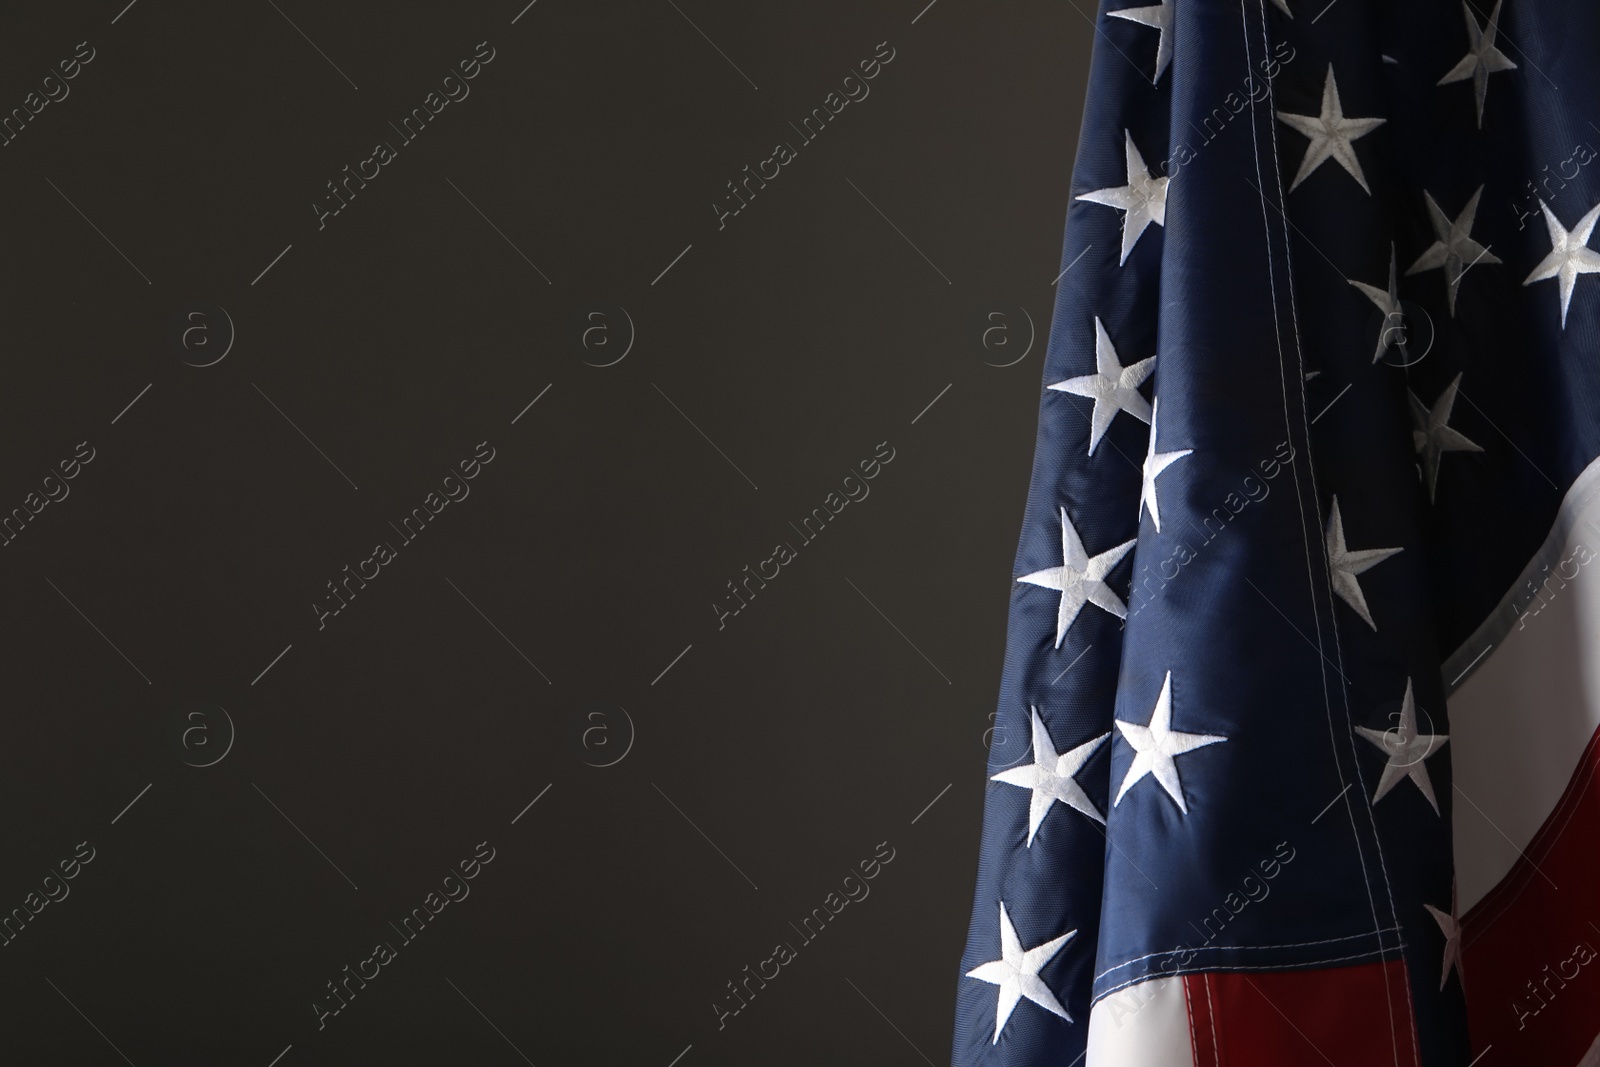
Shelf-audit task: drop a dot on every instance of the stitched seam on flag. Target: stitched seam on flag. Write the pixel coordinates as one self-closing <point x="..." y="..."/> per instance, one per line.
<point x="1415" y="1048"/>
<point x="1188" y="1011"/>
<point x="1150" y="972"/>
<point x="1211" y="1008"/>
<point x="1316" y="506"/>
<point x="1260" y="948"/>
<point x="1304" y="965"/>
<point x="1284" y="389"/>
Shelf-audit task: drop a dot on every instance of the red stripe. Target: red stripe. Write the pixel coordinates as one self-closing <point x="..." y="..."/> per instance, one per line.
<point x="1531" y="948"/>
<point x="1344" y="1016"/>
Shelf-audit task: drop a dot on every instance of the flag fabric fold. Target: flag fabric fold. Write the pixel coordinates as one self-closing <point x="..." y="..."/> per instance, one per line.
<point x="1294" y="753"/>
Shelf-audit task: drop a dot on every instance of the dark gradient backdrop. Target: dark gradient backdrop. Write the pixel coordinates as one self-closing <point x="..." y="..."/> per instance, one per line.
<point x="268" y="787"/>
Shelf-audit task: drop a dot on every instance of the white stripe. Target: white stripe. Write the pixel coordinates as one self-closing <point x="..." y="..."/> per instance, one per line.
<point x="1523" y="716"/>
<point x="1577" y="505"/>
<point x="1590" y="1058"/>
<point x="1141" y="1025"/>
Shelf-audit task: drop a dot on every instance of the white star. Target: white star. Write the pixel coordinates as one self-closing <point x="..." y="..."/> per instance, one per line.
<point x="1158" y="17"/>
<point x="1156" y="748"/>
<point x="1331" y="135"/>
<point x="1144" y="198"/>
<point x="1080" y="579"/>
<point x="1154" y="463"/>
<point x="1482" y="58"/>
<point x="1016" y="972"/>
<point x="1112" y="387"/>
<point x="1345" y="564"/>
<point x="1388" y="301"/>
<point x="1432" y="436"/>
<point x="1284" y="4"/>
<point x="1050" y="776"/>
<point x="1450" y="926"/>
<point x="1408" y="751"/>
<point x="1454" y="250"/>
<point x="1570" y="255"/>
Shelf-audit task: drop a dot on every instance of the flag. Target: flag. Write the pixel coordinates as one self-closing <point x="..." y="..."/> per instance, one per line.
<point x="1294" y="757"/>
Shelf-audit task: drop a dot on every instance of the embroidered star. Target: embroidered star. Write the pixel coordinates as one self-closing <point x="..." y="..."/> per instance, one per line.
<point x="1016" y="972"/>
<point x="1408" y="752"/>
<point x="1159" y="17"/>
<point x="1432" y="436"/>
<point x="1080" y="578"/>
<point x="1331" y="135"/>
<point x="1344" y="564"/>
<point x="1388" y="301"/>
<point x="1284" y="4"/>
<point x="1144" y="199"/>
<point x="1156" y="748"/>
<point x="1454" y="250"/>
<point x="1570" y="255"/>
<point x="1051" y="777"/>
<point x="1112" y="387"/>
<point x="1482" y="58"/>
<point x="1154" y="463"/>
<point x="1450" y="926"/>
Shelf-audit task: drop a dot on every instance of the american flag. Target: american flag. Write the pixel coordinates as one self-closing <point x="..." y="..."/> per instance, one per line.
<point x="1295" y="748"/>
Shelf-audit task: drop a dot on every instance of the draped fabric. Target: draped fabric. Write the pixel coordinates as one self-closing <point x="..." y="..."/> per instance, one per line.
<point x="1293" y="756"/>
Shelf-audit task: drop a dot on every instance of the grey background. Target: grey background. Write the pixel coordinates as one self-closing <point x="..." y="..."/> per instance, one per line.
<point x="773" y="755"/>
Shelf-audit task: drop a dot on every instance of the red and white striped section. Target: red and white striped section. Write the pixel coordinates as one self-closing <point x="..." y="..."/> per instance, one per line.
<point x="1353" y="1016"/>
<point x="1527" y="805"/>
<point x="1524" y="727"/>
